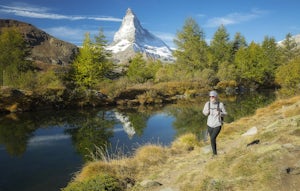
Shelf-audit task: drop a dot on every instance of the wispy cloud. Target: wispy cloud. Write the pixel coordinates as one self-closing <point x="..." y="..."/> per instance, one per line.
<point x="47" y="139"/>
<point x="75" y="35"/>
<point x="235" y="18"/>
<point x="166" y="37"/>
<point x="67" y="33"/>
<point x="200" y="15"/>
<point x="26" y="10"/>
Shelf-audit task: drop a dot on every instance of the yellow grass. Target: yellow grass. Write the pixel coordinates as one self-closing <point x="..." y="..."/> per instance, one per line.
<point x="12" y="108"/>
<point x="150" y="155"/>
<point x="185" y="142"/>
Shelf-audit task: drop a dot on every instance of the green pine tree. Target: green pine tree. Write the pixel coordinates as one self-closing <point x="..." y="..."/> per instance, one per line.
<point x="220" y="48"/>
<point x="13" y="57"/>
<point x="250" y="66"/>
<point x="289" y="49"/>
<point x="288" y="76"/>
<point x="191" y="53"/>
<point x="137" y="71"/>
<point x="238" y="42"/>
<point x="270" y="59"/>
<point x="92" y="63"/>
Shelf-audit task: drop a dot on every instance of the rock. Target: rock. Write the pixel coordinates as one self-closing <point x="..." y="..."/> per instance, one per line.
<point x="149" y="183"/>
<point x="288" y="146"/>
<point x="206" y="149"/>
<point x="253" y="142"/>
<point x="169" y="189"/>
<point x="251" y="131"/>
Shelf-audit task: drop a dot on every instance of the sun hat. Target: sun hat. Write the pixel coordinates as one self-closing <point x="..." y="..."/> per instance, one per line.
<point x="213" y="93"/>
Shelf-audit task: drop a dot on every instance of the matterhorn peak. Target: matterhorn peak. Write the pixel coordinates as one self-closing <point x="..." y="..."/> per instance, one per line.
<point x="132" y="38"/>
<point x="130" y="26"/>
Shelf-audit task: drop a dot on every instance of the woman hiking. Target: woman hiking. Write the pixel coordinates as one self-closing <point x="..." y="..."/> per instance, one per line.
<point x="215" y="111"/>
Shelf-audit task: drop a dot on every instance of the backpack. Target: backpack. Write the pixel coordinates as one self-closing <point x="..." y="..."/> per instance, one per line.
<point x="218" y="108"/>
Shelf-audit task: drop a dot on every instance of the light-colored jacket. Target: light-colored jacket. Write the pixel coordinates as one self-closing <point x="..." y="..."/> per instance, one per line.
<point x="214" y="113"/>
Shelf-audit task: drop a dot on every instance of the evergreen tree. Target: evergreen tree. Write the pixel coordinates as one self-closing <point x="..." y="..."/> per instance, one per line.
<point x="270" y="58"/>
<point x="238" y="42"/>
<point x="227" y="72"/>
<point x="92" y="64"/>
<point x="289" y="49"/>
<point x="13" y="57"/>
<point x="137" y="71"/>
<point x="288" y="76"/>
<point x="85" y="72"/>
<point x="192" y="49"/>
<point x="220" y="48"/>
<point x="102" y="55"/>
<point x="249" y="64"/>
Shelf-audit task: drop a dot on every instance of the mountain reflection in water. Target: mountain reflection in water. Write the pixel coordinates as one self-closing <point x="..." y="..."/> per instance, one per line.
<point x="127" y="126"/>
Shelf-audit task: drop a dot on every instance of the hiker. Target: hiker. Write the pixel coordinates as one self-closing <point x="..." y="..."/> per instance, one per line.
<point x="215" y="111"/>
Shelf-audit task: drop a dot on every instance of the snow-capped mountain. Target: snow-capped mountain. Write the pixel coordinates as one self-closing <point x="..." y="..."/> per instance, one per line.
<point x="132" y="38"/>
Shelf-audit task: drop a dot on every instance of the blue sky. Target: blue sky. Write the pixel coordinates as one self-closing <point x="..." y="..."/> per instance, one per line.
<point x="70" y="20"/>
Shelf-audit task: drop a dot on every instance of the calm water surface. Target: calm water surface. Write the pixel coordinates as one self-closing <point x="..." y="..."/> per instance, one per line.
<point x="43" y="150"/>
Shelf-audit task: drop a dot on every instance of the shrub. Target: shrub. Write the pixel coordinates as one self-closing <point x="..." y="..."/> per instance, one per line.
<point x="224" y="84"/>
<point x="149" y="155"/>
<point x="149" y="97"/>
<point x="185" y="142"/>
<point x="97" y="183"/>
<point x="48" y="80"/>
<point x="288" y="75"/>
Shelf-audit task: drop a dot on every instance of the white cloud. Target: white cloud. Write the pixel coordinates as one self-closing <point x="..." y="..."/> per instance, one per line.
<point x="75" y="35"/>
<point x="47" y="139"/>
<point x="166" y="37"/>
<point x="66" y="32"/>
<point x="200" y="15"/>
<point x="72" y="35"/>
<point x="43" y="13"/>
<point x="235" y="18"/>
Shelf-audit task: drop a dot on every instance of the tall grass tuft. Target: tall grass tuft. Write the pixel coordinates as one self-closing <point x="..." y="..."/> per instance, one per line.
<point x="150" y="155"/>
<point x="186" y="142"/>
<point x="107" y="153"/>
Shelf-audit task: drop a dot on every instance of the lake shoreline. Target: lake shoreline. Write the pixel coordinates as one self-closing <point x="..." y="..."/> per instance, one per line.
<point x="271" y="164"/>
<point x="15" y="100"/>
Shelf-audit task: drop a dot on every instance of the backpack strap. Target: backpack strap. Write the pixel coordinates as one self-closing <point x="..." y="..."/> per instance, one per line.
<point x="218" y="109"/>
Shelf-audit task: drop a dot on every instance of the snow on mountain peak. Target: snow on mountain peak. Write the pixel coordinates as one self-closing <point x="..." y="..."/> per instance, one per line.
<point x="130" y="25"/>
<point x="131" y="35"/>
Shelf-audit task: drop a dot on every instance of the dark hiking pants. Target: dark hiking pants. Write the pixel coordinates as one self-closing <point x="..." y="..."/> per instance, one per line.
<point x="213" y="133"/>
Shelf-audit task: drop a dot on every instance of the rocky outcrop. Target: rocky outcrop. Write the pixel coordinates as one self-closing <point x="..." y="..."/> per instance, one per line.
<point x="45" y="49"/>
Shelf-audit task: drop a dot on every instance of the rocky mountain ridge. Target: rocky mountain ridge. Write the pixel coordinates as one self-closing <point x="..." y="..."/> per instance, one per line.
<point x="45" y="49"/>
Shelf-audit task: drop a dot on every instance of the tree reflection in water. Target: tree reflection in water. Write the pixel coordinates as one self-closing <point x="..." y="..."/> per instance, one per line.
<point x="90" y="129"/>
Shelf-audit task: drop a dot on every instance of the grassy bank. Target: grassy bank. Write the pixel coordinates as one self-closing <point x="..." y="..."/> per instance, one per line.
<point x="272" y="164"/>
<point x="111" y="94"/>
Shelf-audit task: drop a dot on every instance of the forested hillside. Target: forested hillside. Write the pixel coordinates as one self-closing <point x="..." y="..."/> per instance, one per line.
<point x="225" y="64"/>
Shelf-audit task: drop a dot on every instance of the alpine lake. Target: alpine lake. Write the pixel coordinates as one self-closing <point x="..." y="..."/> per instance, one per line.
<point x="43" y="150"/>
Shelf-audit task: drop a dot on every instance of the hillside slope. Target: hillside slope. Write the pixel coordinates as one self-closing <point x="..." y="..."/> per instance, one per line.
<point x="46" y="50"/>
<point x="271" y="163"/>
